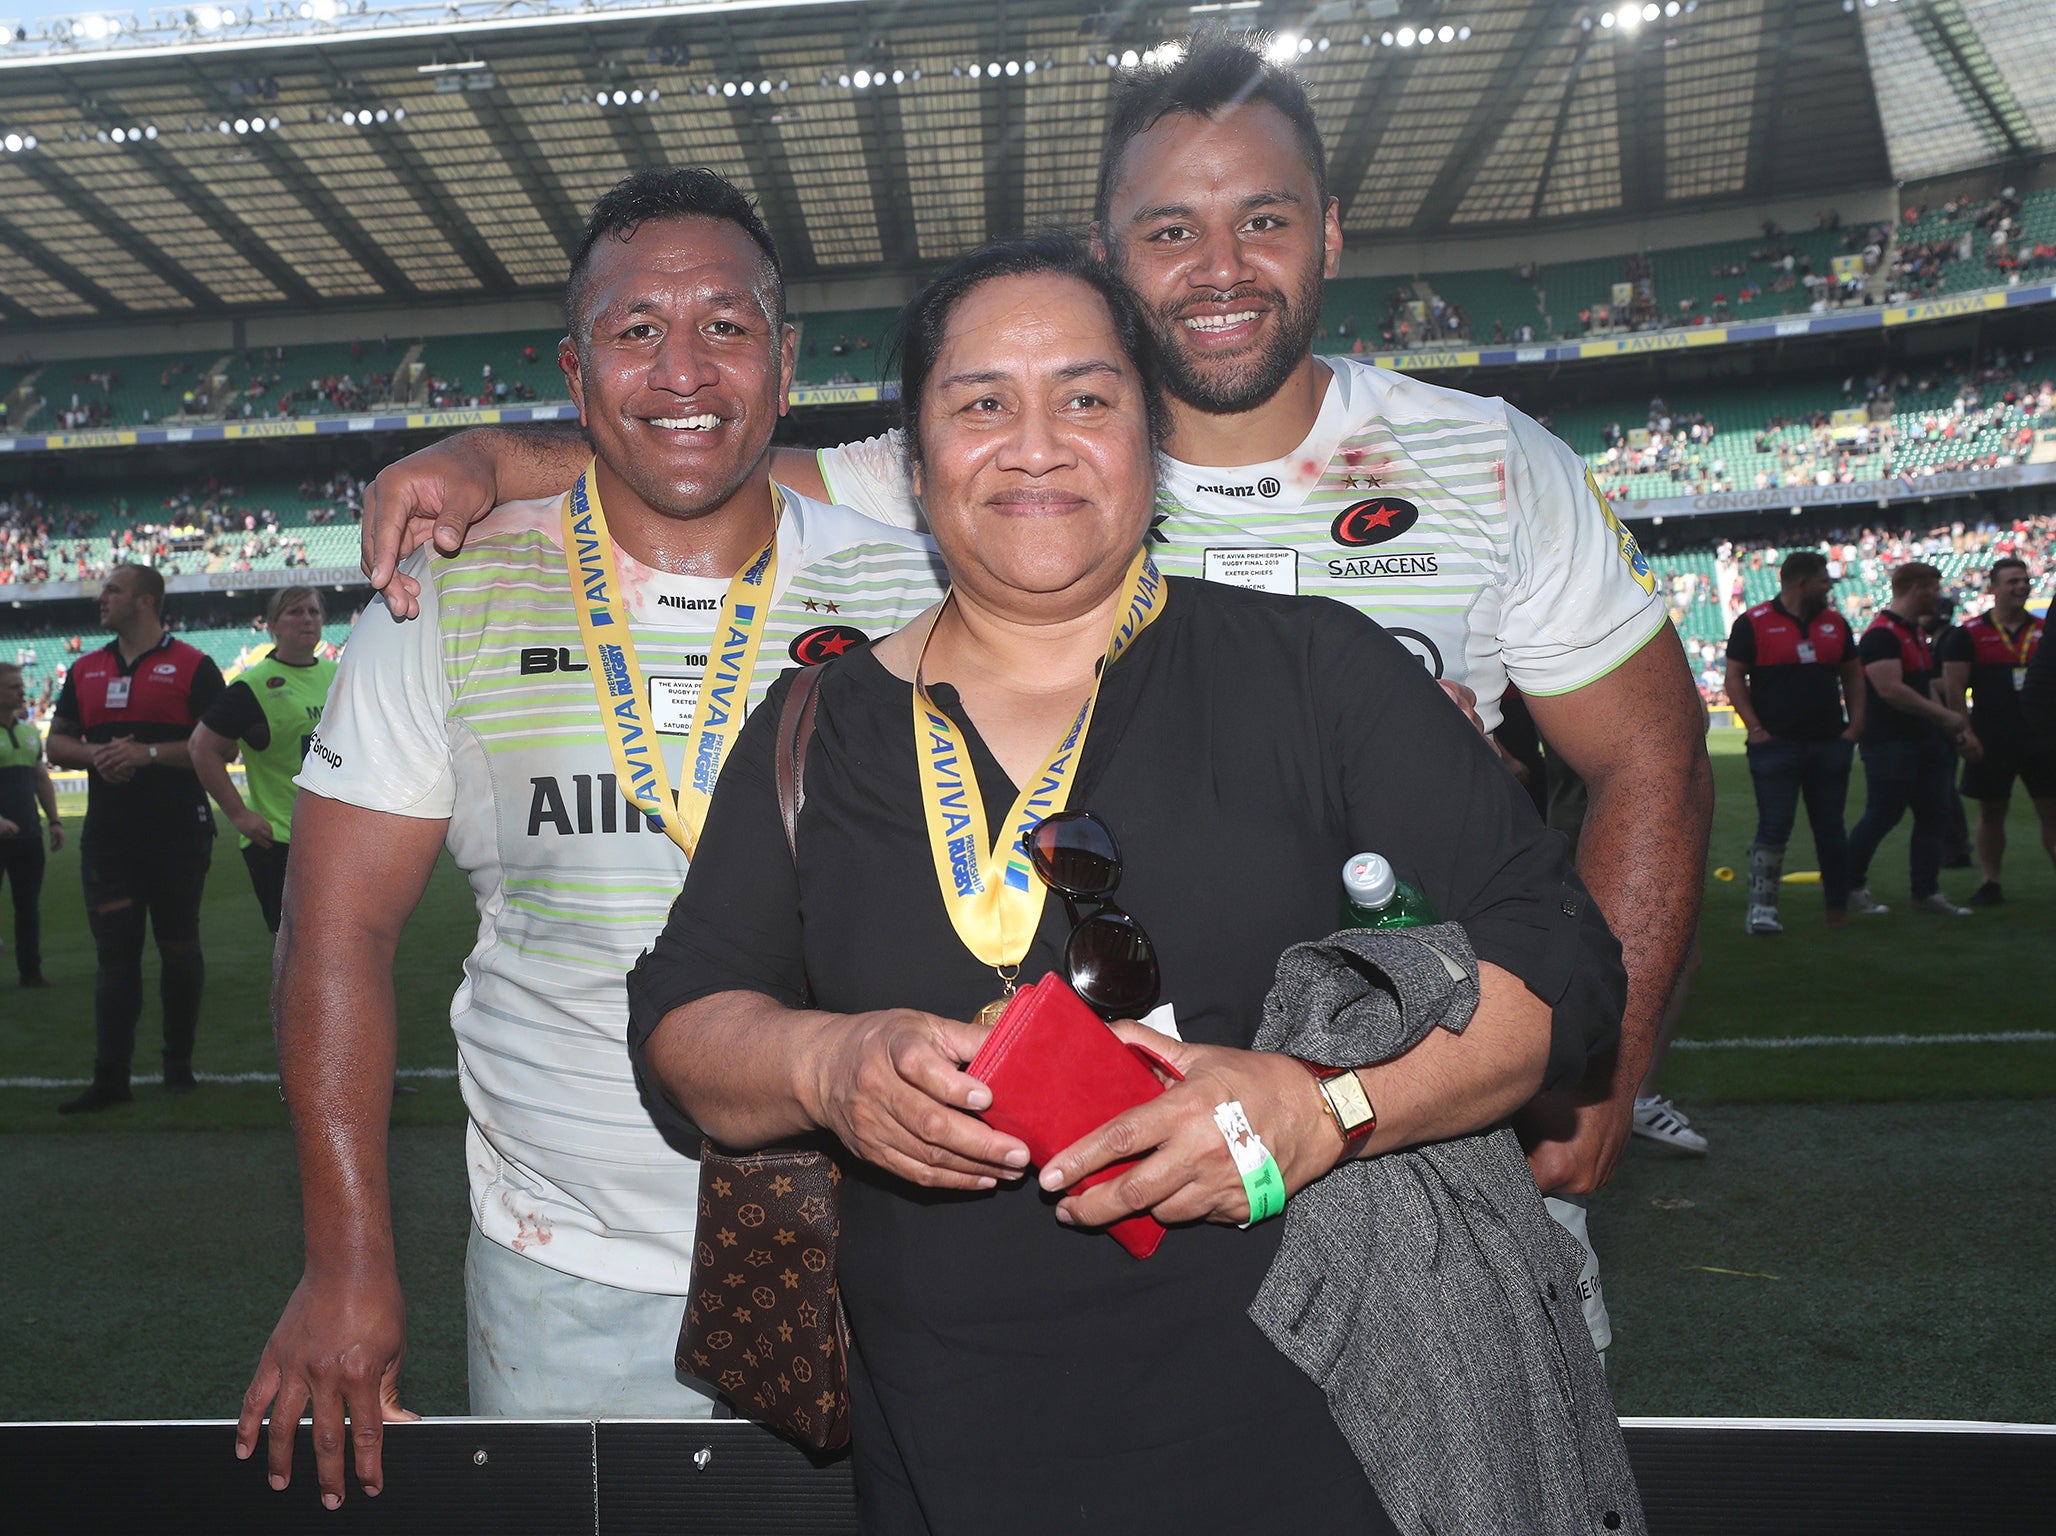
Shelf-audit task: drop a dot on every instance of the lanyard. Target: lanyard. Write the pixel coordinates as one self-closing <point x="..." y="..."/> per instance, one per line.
<point x="2021" y="642"/>
<point x="617" y="676"/>
<point x="993" y="899"/>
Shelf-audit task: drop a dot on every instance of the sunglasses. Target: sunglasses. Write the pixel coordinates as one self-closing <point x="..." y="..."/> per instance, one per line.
<point x="1108" y="959"/>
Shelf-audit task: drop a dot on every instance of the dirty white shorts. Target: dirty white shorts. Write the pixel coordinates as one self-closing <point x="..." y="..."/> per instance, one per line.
<point x="547" y="1345"/>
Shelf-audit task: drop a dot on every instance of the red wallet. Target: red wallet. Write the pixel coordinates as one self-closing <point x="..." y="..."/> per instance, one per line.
<point x="1056" y="1072"/>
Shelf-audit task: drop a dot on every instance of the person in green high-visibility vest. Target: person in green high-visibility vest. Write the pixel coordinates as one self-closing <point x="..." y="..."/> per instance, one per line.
<point x="269" y="714"/>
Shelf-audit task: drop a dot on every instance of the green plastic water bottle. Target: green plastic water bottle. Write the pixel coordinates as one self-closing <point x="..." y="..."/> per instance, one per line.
<point x="1374" y="897"/>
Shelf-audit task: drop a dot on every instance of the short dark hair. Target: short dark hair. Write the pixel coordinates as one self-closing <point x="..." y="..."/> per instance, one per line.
<point x="149" y="583"/>
<point x="1218" y="70"/>
<point x="918" y="334"/>
<point x="1912" y="574"/>
<point x="1801" y="564"/>
<point x="2004" y="563"/>
<point x="687" y="192"/>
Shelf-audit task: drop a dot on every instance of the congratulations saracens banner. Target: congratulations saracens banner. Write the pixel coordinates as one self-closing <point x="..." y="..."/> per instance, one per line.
<point x="618" y="677"/>
<point x="992" y="898"/>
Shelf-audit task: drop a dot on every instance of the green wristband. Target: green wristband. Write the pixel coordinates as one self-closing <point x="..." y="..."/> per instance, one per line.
<point x="1262" y="1181"/>
<point x="1266" y="1188"/>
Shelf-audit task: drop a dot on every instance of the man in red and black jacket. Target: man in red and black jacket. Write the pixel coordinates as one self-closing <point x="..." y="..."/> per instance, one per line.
<point x="1910" y="740"/>
<point x="1989" y="656"/>
<point x="124" y="715"/>
<point x="1794" y="681"/>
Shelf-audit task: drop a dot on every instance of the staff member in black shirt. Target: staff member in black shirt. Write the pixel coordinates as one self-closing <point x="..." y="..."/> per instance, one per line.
<point x="1909" y="742"/>
<point x="1010" y="1374"/>
<point x="24" y="788"/>
<point x="1989" y="657"/>
<point x="1794" y="679"/>
<point x="124" y="715"/>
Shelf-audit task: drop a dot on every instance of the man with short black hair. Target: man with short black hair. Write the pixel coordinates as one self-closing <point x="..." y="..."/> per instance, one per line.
<point x="585" y="653"/>
<point x="1988" y="657"/>
<point x="1909" y="739"/>
<point x="1794" y="680"/>
<point x="124" y="715"/>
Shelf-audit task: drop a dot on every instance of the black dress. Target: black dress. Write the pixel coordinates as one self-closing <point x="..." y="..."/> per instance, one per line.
<point x="1010" y="1374"/>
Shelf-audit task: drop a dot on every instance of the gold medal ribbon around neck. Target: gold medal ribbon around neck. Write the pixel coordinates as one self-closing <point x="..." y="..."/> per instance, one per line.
<point x="991" y="893"/>
<point x="623" y="692"/>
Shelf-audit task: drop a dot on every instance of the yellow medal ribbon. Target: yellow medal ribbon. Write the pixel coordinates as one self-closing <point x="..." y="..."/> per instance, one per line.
<point x="623" y="692"/>
<point x="993" y="897"/>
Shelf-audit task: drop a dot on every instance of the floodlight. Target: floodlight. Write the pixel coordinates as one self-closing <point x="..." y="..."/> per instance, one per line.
<point x="273" y="124"/>
<point x="256" y="125"/>
<point x="728" y="87"/>
<point x="1282" y="48"/>
<point x="1406" y="37"/>
<point x="1386" y="38"/>
<point x="899" y="76"/>
<point x="120" y="135"/>
<point x="841" y="80"/>
<point x="94" y="27"/>
<point x="1671" y="7"/>
<point x="1322" y="45"/>
<point x="1306" y="45"/>
<point x="1013" y="68"/>
<point x="1606" y="20"/>
<point x="1129" y="59"/>
<point x="863" y="79"/>
<point x="13" y="142"/>
<point x="380" y="114"/>
<point x="1026" y="69"/>
<point x="1650" y="11"/>
<point x="242" y="125"/>
<point x="763" y="88"/>
<point x="635" y="98"/>
<point x="150" y="132"/>
<point x="324" y="10"/>
<point x="1463" y="34"/>
<point x="1445" y="34"/>
<point x="749" y="88"/>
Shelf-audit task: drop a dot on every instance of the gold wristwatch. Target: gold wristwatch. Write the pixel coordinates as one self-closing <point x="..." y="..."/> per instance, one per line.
<point x="1347" y="1100"/>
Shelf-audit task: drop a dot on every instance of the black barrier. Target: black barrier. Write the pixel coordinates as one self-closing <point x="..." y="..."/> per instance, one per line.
<point x="448" y="1477"/>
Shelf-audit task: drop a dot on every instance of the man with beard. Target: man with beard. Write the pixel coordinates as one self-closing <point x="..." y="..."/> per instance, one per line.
<point x="1794" y="679"/>
<point x="1988" y="659"/>
<point x="1460" y="524"/>
<point x="1910" y="739"/>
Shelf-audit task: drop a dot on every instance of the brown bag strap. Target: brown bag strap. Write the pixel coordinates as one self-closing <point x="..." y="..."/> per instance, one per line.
<point x="795" y="734"/>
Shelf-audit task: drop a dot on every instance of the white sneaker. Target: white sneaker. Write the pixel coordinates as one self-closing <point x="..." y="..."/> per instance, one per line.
<point x="1660" y="1120"/>
<point x="1862" y="901"/>
<point x="1940" y="904"/>
<point x="1763" y="920"/>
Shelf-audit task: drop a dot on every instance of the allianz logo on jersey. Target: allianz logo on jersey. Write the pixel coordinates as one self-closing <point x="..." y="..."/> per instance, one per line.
<point x="689" y="604"/>
<point x="581" y="804"/>
<point x="1267" y="488"/>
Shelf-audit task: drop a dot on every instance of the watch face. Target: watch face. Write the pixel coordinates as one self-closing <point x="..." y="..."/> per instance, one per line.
<point x="1351" y="1103"/>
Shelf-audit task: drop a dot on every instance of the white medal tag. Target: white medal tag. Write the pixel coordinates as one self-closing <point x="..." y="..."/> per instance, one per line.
<point x="671" y="704"/>
<point x="1806" y="651"/>
<point x="1261" y="570"/>
<point x="2019" y="678"/>
<point x="118" y="692"/>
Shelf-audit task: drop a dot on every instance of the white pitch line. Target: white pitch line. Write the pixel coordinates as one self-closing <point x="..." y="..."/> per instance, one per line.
<point x="1798" y="1042"/>
<point x="208" y="1077"/>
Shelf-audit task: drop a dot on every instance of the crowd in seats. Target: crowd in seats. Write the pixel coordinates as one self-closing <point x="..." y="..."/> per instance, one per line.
<point x="32" y="533"/>
<point x="1971" y="413"/>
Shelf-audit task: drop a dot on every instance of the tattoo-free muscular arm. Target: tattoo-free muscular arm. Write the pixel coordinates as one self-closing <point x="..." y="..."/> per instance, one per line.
<point x="353" y="882"/>
<point x="1638" y="738"/>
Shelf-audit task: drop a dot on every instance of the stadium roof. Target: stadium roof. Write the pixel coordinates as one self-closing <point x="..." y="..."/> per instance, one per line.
<point x="312" y="153"/>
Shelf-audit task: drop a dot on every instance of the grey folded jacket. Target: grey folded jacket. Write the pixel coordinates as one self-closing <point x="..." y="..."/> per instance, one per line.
<point x="1428" y="1291"/>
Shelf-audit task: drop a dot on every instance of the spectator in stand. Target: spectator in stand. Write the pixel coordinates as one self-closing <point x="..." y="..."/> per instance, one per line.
<point x="1989" y="657"/>
<point x="24" y="789"/>
<point x="1793" y="678"/>
<point x="1908" y="737"/>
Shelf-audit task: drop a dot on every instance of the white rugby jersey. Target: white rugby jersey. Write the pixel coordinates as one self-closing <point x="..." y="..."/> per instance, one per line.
<point x="1458" y="523"/>
<point x="481" y="711"/>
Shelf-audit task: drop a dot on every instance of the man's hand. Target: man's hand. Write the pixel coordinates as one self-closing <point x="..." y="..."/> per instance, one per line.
<point x="1464" y="698"/>
<point x="1756" y="736"/>
<point x="1186" y="1172"/>
<point x="116" y="761"/>
<point x="338" y="1348"/>
<point x="891" y="1088"/>
<point x="56" y="835"/>
<point x="435" y="493"/>
<point x="253" y="826"/>
<point x="8" y="828"/>
<point x="1972" y="749"/>
<point x="1854" y="732"/>
<point x="1575" y="1136"/>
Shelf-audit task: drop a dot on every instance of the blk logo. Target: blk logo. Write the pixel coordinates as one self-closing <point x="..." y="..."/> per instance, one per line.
<point x="1377" y="521"/>
<point x="549" y="658"/>
<point x="825" y="644"/>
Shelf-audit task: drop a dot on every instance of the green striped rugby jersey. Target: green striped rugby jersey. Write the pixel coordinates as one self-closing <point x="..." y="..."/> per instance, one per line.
<point x="1464" y="527"/>
<point x="481" y="711"/>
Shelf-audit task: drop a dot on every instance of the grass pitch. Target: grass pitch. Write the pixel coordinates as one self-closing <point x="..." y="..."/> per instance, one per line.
<point x="1869" y="1237"/>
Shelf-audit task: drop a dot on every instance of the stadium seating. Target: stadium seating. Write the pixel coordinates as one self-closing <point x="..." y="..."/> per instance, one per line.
<point x="867" y="332"/>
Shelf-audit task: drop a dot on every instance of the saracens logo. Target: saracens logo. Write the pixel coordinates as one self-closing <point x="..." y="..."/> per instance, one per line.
<point x="1377" y="521"/>
<point x="825" y="644"/>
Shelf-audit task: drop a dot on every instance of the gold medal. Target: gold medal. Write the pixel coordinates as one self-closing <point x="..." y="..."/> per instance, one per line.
<point x="989" y="1014"/>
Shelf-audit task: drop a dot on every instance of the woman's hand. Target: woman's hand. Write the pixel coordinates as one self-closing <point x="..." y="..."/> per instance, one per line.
<point x="1190" y="1176"/>
<point x="889" y="1085"/>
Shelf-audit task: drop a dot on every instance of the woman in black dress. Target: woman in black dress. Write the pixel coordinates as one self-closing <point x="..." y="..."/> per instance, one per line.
<point x="1013" y="1369"/>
